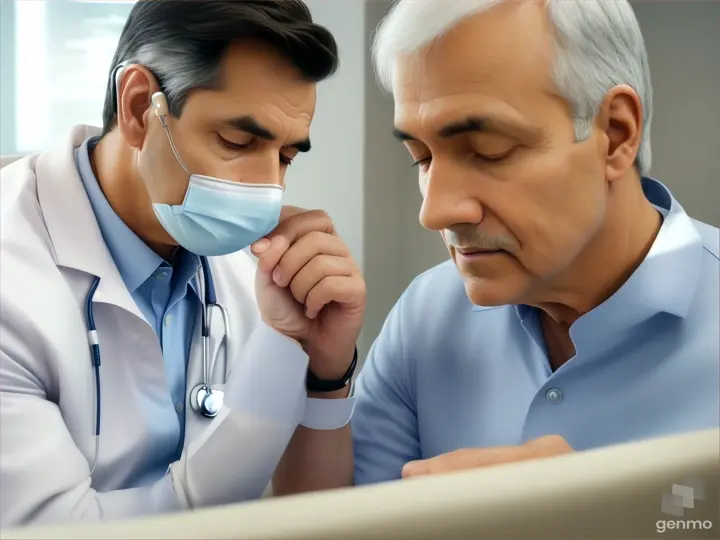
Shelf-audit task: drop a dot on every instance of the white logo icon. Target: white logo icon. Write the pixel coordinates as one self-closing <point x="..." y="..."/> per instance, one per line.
<point x="682" y="496"/>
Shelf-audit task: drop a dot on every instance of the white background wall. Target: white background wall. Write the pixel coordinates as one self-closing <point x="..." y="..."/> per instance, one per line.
<point x="362" y="177"/>
<point x="683" y="40"/>
<point x="331" y="176"/>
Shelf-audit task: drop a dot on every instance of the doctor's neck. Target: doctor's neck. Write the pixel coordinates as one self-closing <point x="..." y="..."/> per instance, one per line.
<point x="113" y="163"/>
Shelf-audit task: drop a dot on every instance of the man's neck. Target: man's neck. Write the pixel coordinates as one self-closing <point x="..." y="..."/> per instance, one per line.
<point x="123" y="188"/>
<point x="626" y="236"/>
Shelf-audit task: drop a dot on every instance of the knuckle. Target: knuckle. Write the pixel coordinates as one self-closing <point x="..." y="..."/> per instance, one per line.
<point x="316" y="238"/>
<point x="326" y="265"/>
<point x="318" y="297"/>
<point x="289" y="211"/>
<point x="315" y="294"/>
<point x="324" y="219"/>
<point x="551" y="444"/>
<point x="298" y="290"/>
<point x="286" y="265"/>
<point x="319" y="213"/>
<point x="361" y="285"/>
<point x="550" y="440"/>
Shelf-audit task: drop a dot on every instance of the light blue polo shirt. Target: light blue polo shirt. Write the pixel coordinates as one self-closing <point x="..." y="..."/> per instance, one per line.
<point x="168" y="298"/>
<point x="445" y="374"/>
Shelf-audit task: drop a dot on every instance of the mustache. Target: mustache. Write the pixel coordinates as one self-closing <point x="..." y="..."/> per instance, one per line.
<point x="476" y="239"/>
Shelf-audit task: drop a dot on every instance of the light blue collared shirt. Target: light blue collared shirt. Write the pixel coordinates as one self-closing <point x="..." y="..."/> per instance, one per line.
<point x="169" y="300"/>
<point x="445" y="374"/>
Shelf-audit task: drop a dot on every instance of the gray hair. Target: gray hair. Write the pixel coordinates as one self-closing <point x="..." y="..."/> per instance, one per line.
<point x="599" y="46"/>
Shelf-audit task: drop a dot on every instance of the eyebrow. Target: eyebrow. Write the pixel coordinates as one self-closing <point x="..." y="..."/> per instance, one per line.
<point x="471" y="124"/>
<point x="249" y="125"/>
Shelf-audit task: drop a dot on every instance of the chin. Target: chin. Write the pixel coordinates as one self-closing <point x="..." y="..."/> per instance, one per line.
<point x="493" y="292"/>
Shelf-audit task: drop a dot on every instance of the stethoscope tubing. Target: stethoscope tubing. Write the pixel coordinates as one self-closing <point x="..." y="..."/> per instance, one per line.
<point x="210" y="301"/>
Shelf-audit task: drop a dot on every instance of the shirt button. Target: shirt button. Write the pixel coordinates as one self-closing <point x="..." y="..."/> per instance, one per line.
<point x="168" y="318"/>
<point x="554" y="395"/>
<point x="179" y="407"/>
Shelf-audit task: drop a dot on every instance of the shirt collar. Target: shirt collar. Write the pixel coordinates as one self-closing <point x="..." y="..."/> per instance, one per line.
<point x="665" y="282"/>
<point x="135" y="261"/>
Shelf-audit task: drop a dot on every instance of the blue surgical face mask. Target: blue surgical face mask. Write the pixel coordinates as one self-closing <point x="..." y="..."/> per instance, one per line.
<point x="219" y="217"/>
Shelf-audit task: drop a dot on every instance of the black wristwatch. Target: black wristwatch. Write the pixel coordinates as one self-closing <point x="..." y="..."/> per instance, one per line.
<point x="313" y="384"/>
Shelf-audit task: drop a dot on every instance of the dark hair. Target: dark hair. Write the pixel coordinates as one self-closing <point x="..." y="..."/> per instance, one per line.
<point x="182" y="42"/>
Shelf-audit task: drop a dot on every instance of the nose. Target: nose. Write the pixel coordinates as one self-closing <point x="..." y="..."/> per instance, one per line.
<point x="448" y="197"/>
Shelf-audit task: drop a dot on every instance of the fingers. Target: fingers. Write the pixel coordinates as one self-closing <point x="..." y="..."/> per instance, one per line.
<point x="549" y="445"/>
<point x="340" y="289"/>
<point x="473" y="458"/>
<point x="311" y="245"/>
<point x="288" y="211"/>
<point x="269" y="252"/>
<point x="304" y="254"/>
<point x="317" y="269"/>
<point x="467" y="458"/>
<point x="295" y="223"/>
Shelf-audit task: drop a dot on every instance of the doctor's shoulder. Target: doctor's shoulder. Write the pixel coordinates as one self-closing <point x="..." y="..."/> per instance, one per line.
<point x="25" y="237"/>
<point x="17" y="181"/>
<point x="34" y="296"/>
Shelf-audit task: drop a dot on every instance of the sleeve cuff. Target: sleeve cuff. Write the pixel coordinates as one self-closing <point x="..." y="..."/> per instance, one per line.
<point x="269" y="380"/>
<point x="328" y="414"/>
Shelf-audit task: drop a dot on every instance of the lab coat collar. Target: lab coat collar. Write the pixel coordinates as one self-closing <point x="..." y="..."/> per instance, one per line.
<point x="71" y="223"/>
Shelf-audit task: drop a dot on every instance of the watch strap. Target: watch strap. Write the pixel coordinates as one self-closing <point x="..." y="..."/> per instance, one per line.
<point x="315" y="384"/>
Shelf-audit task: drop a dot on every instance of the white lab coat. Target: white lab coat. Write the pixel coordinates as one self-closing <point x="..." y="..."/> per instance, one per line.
<point x="51" y="247"/>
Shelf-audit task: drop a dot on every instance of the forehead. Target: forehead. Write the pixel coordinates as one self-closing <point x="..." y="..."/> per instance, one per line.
<point x="256" y="80"/>
<point x="496" y="60"/>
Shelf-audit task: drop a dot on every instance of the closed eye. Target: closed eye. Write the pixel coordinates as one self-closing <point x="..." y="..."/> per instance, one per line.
<point x="496" y="158"/>
<point x="233" y="146"/>
<point x="491" y="159"/>
<point x="284" y="160"/>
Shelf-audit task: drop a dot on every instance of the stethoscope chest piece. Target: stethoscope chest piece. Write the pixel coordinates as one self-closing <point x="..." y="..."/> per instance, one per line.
<point x="206" y="401"/>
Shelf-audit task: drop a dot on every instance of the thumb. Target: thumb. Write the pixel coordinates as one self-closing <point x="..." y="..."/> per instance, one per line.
<point x="269" y="252"/>
<point x="415" y="468"/>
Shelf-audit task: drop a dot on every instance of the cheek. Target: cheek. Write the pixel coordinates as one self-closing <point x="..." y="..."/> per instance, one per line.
<point x="164" y="178"/>
<point x="563" y="205"/>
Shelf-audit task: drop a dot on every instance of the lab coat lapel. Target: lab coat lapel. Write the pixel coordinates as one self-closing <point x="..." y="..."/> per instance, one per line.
<point x="234" y="278"/>
<point x="71" y="223"/>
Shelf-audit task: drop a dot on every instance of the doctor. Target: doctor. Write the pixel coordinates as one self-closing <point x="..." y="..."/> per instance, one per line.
<point x="148" y="364"/>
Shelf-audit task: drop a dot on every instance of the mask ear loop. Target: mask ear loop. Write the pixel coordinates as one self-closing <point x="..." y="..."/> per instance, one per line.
<point x="161" y="110"/>
<point x="159" y="106"/>
<point x="116" y="77"/>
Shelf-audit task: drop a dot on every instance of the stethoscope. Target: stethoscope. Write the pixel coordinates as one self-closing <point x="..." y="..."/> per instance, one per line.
<point x="204" y="400"/>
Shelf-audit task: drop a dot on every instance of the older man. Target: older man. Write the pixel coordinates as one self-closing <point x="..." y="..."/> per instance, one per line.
<point x="580" y="308"/>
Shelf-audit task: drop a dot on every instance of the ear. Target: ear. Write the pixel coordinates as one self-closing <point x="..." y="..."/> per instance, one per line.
<point x="621" y="118"/>
<point x="135" y="89"/>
